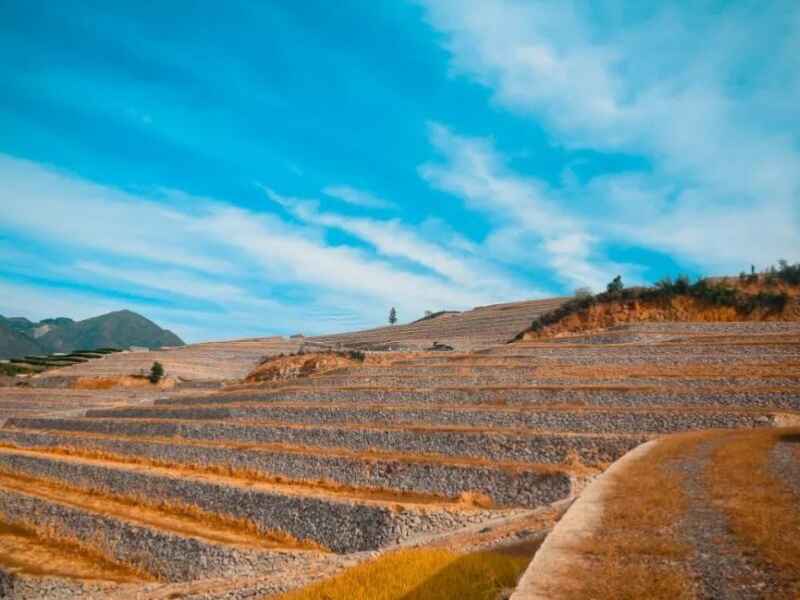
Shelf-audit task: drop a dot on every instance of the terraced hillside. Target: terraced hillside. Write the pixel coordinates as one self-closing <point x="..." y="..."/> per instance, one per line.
<point x="258" y="488"/>
<point x="480" y="327"/>
<point x="197" y="363"/>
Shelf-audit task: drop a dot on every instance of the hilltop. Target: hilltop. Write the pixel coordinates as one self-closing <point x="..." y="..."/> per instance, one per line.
<point x="771" y="296"/>
<point x="20" y="336"/>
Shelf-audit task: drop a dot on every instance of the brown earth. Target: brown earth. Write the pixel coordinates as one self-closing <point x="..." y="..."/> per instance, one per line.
<point x="306" y="364"/>
<point x="607" y="315"/>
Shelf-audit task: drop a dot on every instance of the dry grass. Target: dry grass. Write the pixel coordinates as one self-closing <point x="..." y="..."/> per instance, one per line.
<point x="182" y="519"/>
<point x="422" y="574"/>
<point x="26" y="551"/>
<point x="634" y="552"/>
<point x="764" y="511"/>
<point x="243" y="477"/>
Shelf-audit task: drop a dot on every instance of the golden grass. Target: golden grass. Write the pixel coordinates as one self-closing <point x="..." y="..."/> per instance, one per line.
<point x="247" y="477"/>
<point x="422" y="574"/>
<point x="27" y="551"/>
<point x="764" y="512"/>
<point x="634" y="552"/>
<point x="177" y="517"/>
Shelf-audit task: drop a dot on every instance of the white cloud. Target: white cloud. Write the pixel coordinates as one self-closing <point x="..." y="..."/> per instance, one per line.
<point x="531" y="226"/>
<point x="205" y="265"/>
<point x="357" y="197"/>
<point x="456" y="262"/>
<point x="703" y="96"/>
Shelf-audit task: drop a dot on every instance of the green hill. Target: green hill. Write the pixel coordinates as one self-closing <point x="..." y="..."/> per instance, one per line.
<point x="121" y="329"/>
<point x="15" y="343"/>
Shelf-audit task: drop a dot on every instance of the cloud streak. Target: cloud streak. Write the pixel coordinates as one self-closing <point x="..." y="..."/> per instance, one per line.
<point x="357" y="197"/>
<point x="661" y="86"/>
<point x="230" y="264"/>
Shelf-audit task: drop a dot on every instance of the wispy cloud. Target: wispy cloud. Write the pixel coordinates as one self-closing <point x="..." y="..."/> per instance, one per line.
<point x="677" y="86"/>
<point x="357" y="197"/>
<point x="236" y="265"/>
<point x="530" y="224"/>
<point x="463" y="265"/>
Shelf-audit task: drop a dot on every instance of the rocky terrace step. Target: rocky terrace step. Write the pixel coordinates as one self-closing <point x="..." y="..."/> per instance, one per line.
<point x="503" y="379"/>
<point x="57" y="514"/>
<point x="499" y="445"/>
<point x="567" y="418"/>
<point x="509" y="484"/>
<point x="632" y="356"/>
<point x="334" y="521"/>
<point x="618" y="396"/>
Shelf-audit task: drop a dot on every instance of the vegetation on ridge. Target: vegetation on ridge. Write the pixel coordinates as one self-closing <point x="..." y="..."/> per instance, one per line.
<point x="771" y="298"/>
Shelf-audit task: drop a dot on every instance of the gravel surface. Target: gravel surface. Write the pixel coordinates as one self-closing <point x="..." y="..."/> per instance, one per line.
<point x="722" y="568"/>
<point x="785" y="461"/>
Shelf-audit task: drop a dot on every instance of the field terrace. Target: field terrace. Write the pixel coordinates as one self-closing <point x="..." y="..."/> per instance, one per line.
<point x="481" y="327"/>
<point x="301" y="476"/>
<point x="197" y="364"/>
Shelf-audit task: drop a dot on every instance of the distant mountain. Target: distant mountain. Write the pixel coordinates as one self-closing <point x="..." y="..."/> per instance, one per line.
<point x="120" y="329"/>
<point x="15" y="343"/>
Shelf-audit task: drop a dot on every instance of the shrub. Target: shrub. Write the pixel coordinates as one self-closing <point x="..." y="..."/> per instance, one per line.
<point x="156" y="372"/>
<point x="788" y="273"/>
<point x="615" y="286"/>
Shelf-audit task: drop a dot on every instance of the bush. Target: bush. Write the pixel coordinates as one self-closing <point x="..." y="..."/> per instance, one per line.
<point x="615" y="286"/>
<point x="788" y="273"/>
<point x="156" y="372"/>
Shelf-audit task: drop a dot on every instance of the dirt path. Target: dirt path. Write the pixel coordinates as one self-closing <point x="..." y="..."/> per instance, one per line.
<point x="785" y="460"/>
<point x="722" y="568"/>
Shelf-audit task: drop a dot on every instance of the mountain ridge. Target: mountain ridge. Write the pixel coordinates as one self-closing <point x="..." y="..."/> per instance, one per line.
<point x="123" y="328"/>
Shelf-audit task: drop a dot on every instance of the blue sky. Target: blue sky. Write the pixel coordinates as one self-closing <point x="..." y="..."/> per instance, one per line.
<point x="248" y="168"/>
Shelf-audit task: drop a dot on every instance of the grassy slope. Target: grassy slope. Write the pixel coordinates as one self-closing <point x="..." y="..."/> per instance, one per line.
<point x="635" y="552"/>
<point x="422" y="574"/>
<point x="764" y="511"/>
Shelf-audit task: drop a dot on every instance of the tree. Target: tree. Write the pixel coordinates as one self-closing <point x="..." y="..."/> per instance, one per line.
<point x="392" y="316"/>
<point x="156" y="372"/>
<point x="583" y="292"/>
<point x="616" y="285"/>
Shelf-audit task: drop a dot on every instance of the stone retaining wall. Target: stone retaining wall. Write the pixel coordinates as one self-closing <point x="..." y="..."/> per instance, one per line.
<point x="506" y="487"/>
<point x="159" y="553"/>
<point x="501" y="379"/>
<point x="620" y="397"/>
<point x="540" y="420"/>
<point x="512" y="447"/>
<point x="339" y="524"/>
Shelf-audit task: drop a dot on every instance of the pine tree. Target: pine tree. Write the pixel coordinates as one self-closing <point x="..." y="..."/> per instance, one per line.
<point x="156" y="372"/>
<point x="392" y="316"/>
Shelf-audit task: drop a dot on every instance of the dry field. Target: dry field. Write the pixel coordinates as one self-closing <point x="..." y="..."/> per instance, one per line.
<point x="716" y="515"/>
<point x="210" y="362"/>
<point x="256" y="489"/>
<point x="474" y="329"/>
